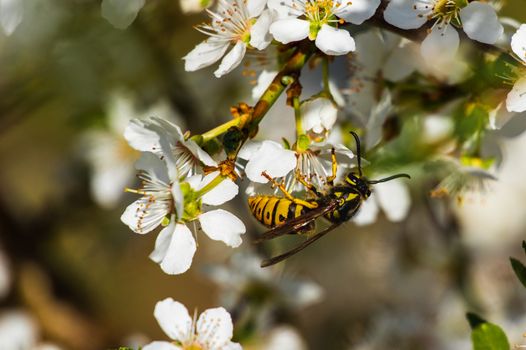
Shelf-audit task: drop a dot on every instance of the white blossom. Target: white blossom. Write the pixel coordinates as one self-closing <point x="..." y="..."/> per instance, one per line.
<point x="269" y="157"/>
<point x="244" y="273"/>
<point x="165" y="198"/>
<point x="144" y="135"/>
<point x="391" y="197"/>
<point x="321" y="21"/>
<point x="110" y="157"/>
<point x="478" y="20"/>
<point x="213" y="330"/>
<point x="241" y="24"/>
<point x="11" y="15"/>
<point x="516" y="100"/>
<point x="319" y="115"/>
<point x="120" y="13"/>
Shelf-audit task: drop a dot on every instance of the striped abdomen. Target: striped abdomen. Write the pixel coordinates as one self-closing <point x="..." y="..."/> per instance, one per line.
<point x="273" y="211"/>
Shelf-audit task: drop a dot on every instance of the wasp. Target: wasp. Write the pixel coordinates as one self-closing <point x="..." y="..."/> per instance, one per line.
<point x="291" y="215"/>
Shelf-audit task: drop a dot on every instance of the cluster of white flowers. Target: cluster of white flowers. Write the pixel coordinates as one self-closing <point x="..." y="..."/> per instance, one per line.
<point x="175" y="195"/>
<point x="181" y="182"/>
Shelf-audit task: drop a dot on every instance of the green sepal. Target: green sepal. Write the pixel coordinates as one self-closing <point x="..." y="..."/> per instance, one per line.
<point x="192" y="202"/>
<point x="303" y="143"/>
<point x="232" y="141"/>
<point x="165" y="222"/>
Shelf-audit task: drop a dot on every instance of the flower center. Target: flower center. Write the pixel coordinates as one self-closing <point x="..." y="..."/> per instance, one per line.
<point x="193" y="346"/>
<point x="192" y="202"/>
<point x="443" y="11"/>
<point x="318" y="13"/>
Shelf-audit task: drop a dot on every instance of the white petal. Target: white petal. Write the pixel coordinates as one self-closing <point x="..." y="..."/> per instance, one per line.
<point x="480" y="22"/>
<point x="11" y="14"/>
<point x="160" y="345"/>
<point x="120" y="13"/>
<point x="318" y="114"/>
<point x="516" y="100"/>
<point x="399" y="64"/>
<point x="221" y="225"/>
<point x="193" y="6"/>
<point x="288" y="30"/>
<point x="180" y="252"/>
<point x="214" y="328"/>
<point x="358" y="11"/>
<point x="518" y="42"/>
<point x="393" y="197"/>
<point x="107" y="183"/>
<point x="18" y="330"/>
<point x="249" y="149"/>
<point x="368" y="212"/>
<point x="151" y="164"/>
<point x="334" y="41"/>
<point x="264" y="80"/>
<point x="255" y="7"/>
<point x="282" y="9"/>
<point x="272" y="159"/>
<point x="401" y="14"/>
<point x="499" y="116"/>
<point x="162" y="242"/>
<point x="232" y="346"/>
<point x="440" y="45"/>
<point x="199" y="153"/>
<point x="174" y="319"/>
<point x="143" y="135"/>
<point x="194" y="181"/>
<point x="260" y="37"/>
<point x="220" y="194"/>
<point x="232" y="59"/>
<point x="203" y="55"/>
<point x="143" y="215"/>
<point x="140" y="137"/>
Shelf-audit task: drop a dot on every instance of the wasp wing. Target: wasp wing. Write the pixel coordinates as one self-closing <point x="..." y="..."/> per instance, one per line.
<point x="297" y="223"/>
<point x="300" y="247"/>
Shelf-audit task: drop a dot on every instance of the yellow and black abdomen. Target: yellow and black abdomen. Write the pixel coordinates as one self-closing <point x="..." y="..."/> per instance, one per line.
<point x="274" y="211"/>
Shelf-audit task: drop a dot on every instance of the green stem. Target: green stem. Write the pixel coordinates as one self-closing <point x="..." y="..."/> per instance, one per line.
<point x="211" y="185"/>
<point x="221" y="129"/>
<point x="297" y="116"/>
<point x="288" y="74"/>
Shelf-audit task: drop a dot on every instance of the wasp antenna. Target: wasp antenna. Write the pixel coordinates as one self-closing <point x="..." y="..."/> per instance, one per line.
<point x="389" y="178"/>
<point x="357" y="139"/>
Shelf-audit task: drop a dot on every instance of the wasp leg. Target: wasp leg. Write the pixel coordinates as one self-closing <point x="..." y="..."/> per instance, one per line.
<point x="309" y="186"/>
<point x="310" y="205"/>
<point x="330" y="179"/>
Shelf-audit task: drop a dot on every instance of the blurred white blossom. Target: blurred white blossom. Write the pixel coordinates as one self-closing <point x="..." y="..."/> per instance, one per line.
<point x="121" y="13"/>
<point x="11" y="15"/>
<point x="392" y="197"/>
<point x="18" y="331"/>
<point x="244" y="274"/>
<point x="110" y="157"/>
<point x="478" y="20"/>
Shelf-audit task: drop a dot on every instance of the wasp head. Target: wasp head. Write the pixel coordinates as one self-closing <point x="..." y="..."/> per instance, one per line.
<point x="359" y="183"/>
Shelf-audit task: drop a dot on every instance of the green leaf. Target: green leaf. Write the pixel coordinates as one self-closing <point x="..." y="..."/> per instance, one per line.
<point x="488" y="336"/>
<point x="485" y="335"/>
<point x="524" y="246"/>
<point x="520" y="270"/>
